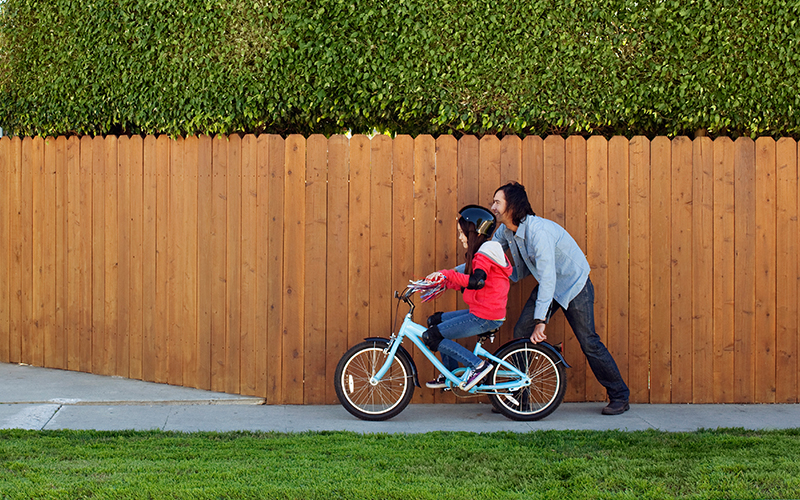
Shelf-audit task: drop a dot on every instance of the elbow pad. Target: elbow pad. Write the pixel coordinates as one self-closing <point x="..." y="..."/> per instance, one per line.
<point x="477" y="280"/>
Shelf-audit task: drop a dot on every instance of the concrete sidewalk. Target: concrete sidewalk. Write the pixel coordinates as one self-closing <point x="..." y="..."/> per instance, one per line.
<point x="47" y="399"/>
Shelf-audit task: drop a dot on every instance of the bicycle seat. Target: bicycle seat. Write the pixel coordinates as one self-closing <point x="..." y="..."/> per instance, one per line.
<point x="488" y="335"/>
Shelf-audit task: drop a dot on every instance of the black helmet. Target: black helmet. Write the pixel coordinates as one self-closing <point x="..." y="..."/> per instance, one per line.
<point x="482" y="218"/>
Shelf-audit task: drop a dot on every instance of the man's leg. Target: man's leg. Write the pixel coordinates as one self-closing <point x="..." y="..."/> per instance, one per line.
<point x="580" y="315"/>
<point x="524" y="326"/>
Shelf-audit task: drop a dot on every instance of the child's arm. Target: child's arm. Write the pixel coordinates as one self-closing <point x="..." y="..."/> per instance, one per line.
<point x="457" y="280"/>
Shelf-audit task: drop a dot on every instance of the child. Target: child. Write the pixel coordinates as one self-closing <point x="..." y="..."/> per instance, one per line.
<point x="485" y="286"/>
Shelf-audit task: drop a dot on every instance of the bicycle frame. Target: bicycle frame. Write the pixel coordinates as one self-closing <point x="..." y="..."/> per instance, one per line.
<point x="413" y="331"/>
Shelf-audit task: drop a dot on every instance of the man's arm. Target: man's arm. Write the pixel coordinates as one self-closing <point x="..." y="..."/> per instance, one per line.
<point x="541" y="248"/>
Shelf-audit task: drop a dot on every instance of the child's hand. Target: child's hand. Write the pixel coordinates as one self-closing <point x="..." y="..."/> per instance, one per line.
<point x="435" y="276"/>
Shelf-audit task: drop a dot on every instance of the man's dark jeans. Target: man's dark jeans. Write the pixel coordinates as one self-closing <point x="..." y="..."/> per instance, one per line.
<point x="580" y="316"/>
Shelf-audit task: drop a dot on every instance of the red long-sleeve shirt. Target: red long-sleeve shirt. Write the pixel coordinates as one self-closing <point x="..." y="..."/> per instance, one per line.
<point x="490" y="301"/>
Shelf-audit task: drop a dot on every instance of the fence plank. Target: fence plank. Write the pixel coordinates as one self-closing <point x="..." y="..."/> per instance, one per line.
<point x="190" y="261"/>
<point x="618" y="253"/>
<point x="745" y="267"/>
<point x="510" y="169"/>
<point x="380" y="236"/>
<point x="533" y="178"/>
<point x="250" y="333"/>
<point x="796" y="351"/>
<point x="162" y="218"/>
<point x="575" y="224"/>
<point x="402" y="220"/>
<point x="43" y="251"/>
<point x="294" y="269"/>
<point x="765" y="247"/>
<point x="17" y="226"/>
<point x="447" y="245"/>
<point x="424" y="240"/>
<point x="5" y="254"/>
<point x="597" y="245"/>
<point x="275" y="355"/>
<point x="150" y="184"/>
<point x="703" y="271"/>
<point x="111" y="250"/>
<point x="469" y="166"/>
<point x="316" y="232"/>
<point x="99" y="348"/>
<point x="554" y="208"/>
<point x="489" y="179"/>
<point x="660" y="263"/>
<point x="85" y="259"/>
<point x="136" y="269"/>
<point x="336" y="279"/>
<point x="72" y="303"/>
<point x="233" y="269"/>
<point x="724" y="255"/>
<point x="681" y="270"/>
<point x="358" y="230"/>
<point x="262" y="229"/>
<point x="206" y="238"/>
<point x="639" y="277"/>
<point x="176" y="261"/>
<point x="30" y="337"/>
<point x="57" y="351"/>
<point x="124" y="217"/>
<point x="219" y="265"/>
<point x="788" y="275"/>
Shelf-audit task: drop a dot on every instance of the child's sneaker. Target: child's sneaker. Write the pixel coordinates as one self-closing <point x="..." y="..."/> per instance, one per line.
<point x="438" y="383"/>
<point x="478" y="374"/>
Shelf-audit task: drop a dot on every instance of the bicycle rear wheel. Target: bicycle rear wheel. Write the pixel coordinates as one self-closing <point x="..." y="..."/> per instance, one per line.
<point x="383" y="400"/>
<point x="548" y="382"/>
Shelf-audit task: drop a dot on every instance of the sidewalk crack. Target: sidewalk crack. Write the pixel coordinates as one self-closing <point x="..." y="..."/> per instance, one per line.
<point x="51" y="417"/>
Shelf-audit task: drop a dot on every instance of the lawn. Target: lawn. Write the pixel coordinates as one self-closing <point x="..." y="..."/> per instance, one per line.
<point x="726" y="463"/>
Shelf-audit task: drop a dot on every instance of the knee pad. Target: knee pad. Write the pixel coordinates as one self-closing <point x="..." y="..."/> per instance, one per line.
<point x="432" y="338"/>
<point x="435" y="318"/>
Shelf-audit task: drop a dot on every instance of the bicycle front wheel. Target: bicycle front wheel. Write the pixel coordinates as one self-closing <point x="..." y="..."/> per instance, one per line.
<point x="548" y="382"/>
<point x="366" y="401"/>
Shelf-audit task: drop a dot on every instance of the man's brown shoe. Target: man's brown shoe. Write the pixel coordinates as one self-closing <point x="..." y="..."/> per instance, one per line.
<point x="616" y="408"/>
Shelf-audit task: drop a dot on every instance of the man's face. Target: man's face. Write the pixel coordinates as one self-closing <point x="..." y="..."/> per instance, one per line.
<point x="499" y="207"/>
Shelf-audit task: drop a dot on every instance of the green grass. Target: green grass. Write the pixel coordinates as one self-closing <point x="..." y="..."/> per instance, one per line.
<point x="729" y="463"/>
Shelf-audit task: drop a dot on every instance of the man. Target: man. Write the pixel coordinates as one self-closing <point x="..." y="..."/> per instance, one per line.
<point x="542" y="248"/>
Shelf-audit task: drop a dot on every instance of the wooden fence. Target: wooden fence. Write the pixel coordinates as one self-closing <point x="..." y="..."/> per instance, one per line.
<point x="249" y="264"/>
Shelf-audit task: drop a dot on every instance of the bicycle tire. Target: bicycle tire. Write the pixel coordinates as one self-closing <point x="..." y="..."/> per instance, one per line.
<point x="548" y="382"/>
<point x="382" y="401"/>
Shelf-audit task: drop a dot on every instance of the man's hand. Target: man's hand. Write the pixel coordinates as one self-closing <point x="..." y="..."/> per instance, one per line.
<point x="538" y="333"/>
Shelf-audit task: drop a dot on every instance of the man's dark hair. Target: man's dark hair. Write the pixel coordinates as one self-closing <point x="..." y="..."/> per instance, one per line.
<point x="516" y="201"/>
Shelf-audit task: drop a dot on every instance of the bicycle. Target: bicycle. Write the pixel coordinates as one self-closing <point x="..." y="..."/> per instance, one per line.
<point x="375" y="379"/>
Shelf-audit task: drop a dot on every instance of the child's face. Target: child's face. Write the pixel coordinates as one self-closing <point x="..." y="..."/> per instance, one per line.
<point x="461" y="236"/>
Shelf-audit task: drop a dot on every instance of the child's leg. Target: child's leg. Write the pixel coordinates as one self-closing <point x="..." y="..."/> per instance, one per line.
<point x="449" y="362"/>
<point x="462" y="324"/>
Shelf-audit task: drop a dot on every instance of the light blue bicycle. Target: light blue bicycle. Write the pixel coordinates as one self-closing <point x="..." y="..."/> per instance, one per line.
<point x="375" y="379"/>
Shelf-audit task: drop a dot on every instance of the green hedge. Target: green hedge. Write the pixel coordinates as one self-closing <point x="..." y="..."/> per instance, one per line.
<point x="408" y="66"/>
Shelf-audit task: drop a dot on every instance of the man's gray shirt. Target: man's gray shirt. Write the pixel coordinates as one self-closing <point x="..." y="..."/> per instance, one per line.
<point x="542" y="248"/>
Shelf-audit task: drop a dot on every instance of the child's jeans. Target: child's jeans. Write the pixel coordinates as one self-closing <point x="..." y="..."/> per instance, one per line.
<point x="458" y="325"/>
